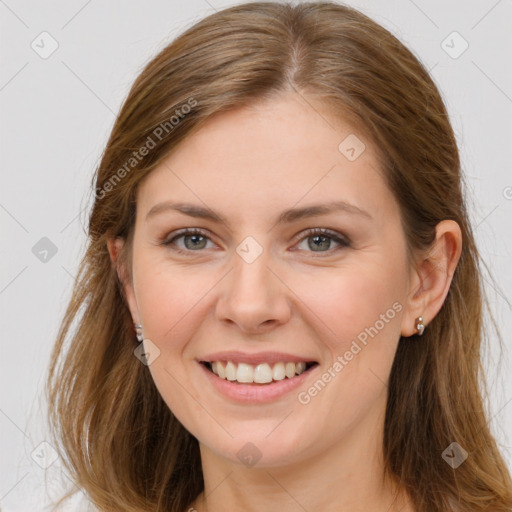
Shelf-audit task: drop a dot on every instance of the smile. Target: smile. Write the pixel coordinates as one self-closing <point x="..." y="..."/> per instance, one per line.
<point x="263" y="373"/>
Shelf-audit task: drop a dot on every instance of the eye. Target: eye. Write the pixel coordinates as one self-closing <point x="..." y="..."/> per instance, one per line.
<point x="196" y="239"/>
<point x="321" y="238"/>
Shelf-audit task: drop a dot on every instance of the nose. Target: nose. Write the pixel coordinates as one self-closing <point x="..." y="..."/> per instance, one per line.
<point x="254" y="296"/>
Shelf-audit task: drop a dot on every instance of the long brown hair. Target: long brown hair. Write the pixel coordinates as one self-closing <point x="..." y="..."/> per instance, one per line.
<point x="120" y="441"/>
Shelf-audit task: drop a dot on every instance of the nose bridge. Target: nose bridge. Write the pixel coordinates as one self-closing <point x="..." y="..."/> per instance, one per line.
<point x="252" y="294"/>
<point x="251" y="277"/>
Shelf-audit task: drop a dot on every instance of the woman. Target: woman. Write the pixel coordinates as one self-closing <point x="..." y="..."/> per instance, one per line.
<point x="280" y="305"/>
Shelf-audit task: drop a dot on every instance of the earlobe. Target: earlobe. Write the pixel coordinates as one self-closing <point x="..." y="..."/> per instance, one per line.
<point x="432" y="278"/>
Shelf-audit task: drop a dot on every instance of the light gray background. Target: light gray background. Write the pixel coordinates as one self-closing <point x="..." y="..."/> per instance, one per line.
<point x="57" y="114"/>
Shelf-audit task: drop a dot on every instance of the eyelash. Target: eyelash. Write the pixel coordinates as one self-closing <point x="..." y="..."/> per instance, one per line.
<point x="327" y="233"/>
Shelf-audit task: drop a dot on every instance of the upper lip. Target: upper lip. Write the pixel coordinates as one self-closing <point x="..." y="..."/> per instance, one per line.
<point x="256" y="358"/>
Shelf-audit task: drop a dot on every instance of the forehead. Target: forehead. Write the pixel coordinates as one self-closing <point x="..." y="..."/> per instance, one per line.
<point x="270" y="156"/>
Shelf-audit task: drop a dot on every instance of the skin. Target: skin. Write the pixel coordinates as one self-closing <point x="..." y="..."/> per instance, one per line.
<point x="249" y="165"/>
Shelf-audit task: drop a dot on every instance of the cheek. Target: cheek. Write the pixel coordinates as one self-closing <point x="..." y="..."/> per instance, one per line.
<point x="168" y="298"/>
<point x="170" y="301"/>
<point x="358" y="312"/>
<point x="348" y="301"/>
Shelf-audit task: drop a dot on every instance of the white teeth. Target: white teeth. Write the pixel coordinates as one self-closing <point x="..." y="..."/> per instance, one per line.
<point x="220" y="371"/>
<point x="278" y="372"/>
<point x="244" y="373"/>
<point x="300" y="367"/>
<point x="290" y="370"/>
<point x="261" y="374"/>
<point x="230" y="371"/>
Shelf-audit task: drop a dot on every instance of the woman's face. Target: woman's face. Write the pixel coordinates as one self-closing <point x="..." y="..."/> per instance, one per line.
<point x="258" y="288"/>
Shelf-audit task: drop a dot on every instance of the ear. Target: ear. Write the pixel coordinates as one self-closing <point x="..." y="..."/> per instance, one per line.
<point x="114" y="246"/>
<point x="431" y="278"/>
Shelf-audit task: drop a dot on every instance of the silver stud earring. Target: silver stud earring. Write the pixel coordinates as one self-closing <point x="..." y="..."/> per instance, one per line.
<point x="420" y="326"/>
<point x="138" y="332"/>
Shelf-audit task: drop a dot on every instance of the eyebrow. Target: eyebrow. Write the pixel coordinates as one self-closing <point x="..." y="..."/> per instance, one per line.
<point x="287" y="216"/>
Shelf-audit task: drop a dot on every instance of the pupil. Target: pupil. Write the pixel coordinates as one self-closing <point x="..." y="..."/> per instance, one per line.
<point x="195" y="238"/>
<point x="326" y="241"/>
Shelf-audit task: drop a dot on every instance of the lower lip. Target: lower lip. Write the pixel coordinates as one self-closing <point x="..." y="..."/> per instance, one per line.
<point x="256" y="393"/>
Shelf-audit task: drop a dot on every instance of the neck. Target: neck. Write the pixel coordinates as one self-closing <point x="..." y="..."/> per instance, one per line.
<point x="348" y="477"/>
